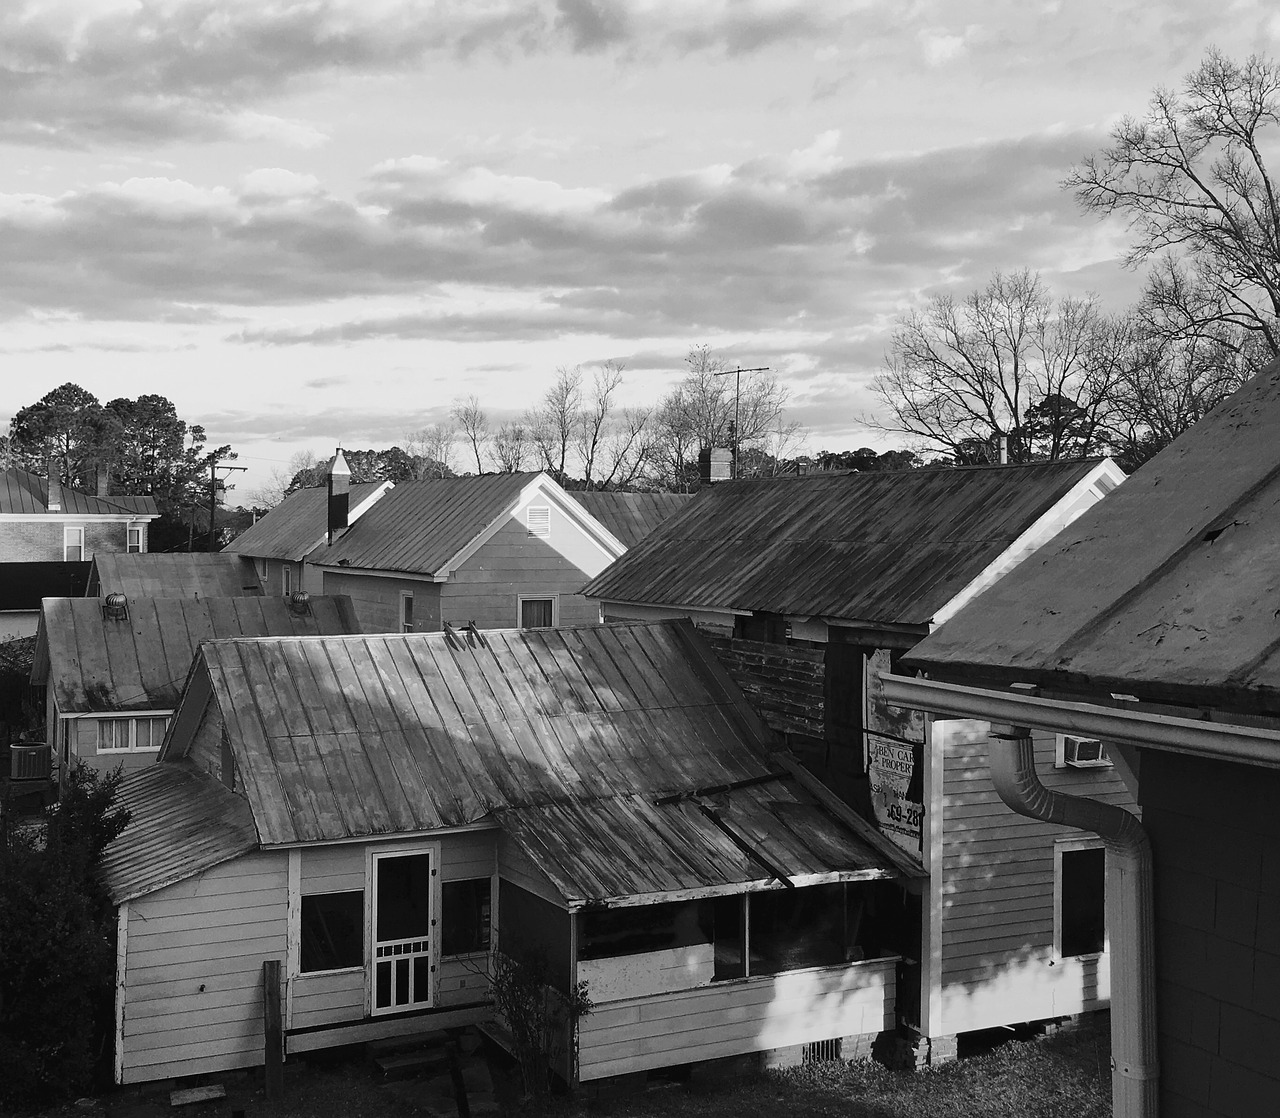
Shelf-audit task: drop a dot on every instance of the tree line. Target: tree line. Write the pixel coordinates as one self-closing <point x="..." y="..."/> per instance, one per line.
<point x="1060" y="377"/>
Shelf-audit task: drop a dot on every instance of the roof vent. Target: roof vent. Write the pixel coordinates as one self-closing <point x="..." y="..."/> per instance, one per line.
<point x="300" y="601"/>
<point x="115" y="607"/>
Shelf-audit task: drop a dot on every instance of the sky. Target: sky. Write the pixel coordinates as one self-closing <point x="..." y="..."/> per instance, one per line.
<point x="313" y="223"/>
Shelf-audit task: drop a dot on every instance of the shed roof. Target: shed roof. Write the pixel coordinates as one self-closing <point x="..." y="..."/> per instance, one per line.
<point x="420" y="526"/>
<point x="94" y="663"/>
<point x="1169" y="589"/>
<point x="296" y="525"/>
<point x="180" y="574"/>
<point x="630" y="516"/>
<point x="183" y="822"/>
<point x="561" y="733"/>
<point x="890" y="547"/>
<point x="24" y="492"/>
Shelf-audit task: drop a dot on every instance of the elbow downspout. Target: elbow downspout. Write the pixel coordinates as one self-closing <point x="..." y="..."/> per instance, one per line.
<point x="1130" y="915"/>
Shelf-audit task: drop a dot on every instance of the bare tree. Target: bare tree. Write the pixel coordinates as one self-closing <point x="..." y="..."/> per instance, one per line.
<point x="511" y="447"/>
<point x="431" y="449"/>
<point x="1191" y="178"/>
<point x="594" y="419"/>
<point x="554" y="422"/>
<point x="281" y="480"/>
<point x="473" y="422"/>
<point x="626" y="453"/>
<point x="1007" y="361"/>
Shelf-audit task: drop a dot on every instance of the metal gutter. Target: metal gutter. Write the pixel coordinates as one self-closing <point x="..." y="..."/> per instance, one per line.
<point x="1217" y="740"/>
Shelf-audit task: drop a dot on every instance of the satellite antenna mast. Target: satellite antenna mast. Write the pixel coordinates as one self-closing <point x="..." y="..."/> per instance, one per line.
<point x="737" y="399"/>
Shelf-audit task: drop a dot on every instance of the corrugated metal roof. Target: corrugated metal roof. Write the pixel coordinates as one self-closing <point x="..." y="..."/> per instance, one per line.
<point x="891" y="547"/>
<point x="93" y="663"/>
<point x="174" y="575"/>
<point x="24" y="492"/>
<point x="183" y="822"/>
<point x="420" y="525"/>
<point x="294" y="526"/>
<point x="631" y="516"/>
<point x="1170" y="588"/>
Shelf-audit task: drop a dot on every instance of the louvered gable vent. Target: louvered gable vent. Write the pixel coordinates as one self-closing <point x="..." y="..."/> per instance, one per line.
<point x="539" y="517"/>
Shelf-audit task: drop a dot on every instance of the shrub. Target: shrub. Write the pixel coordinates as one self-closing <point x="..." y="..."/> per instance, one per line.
<point x="57" y="944"/>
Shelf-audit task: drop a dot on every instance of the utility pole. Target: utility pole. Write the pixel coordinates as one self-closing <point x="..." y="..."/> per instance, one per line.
<point x="737" y="399"/>
<point x="213" y="496"/>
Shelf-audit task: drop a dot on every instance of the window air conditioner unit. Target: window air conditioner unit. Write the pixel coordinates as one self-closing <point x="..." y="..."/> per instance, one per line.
<point x="1084" y="753"/>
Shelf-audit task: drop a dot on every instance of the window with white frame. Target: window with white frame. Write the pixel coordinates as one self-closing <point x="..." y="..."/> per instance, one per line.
<point x="537" y="613"/>
<point x="134" y="538"/>
<point x="406" y="611"/>
<point x="73" y="545"/>
<point x="131" y="735"/>
<point x="1079" y="898"/>
<point x="286" y="578"/>
<point x="539" y="521"/>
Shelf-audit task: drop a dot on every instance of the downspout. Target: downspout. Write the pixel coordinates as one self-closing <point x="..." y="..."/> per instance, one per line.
<point x="1130" y="914"/>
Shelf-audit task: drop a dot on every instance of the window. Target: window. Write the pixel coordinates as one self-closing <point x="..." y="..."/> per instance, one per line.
<point x="613" y="932"/>
<point x="466" y="912"/>
<point x="122" y="735"/>
<point x="539" y="521"/>
<point x="406" y="611"/>
<point x="1080" y="753"/>
<point x="73" y="545"/>
<point x="133" y="538"/>
<point x="286" y="579"/>
<point x="332" y="931"/>
<point x="1080" y="892"/>
<point x="537" y="613"/>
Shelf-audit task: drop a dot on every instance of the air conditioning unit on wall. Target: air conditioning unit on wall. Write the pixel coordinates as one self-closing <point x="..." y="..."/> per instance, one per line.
<point x="1083" y="753"/>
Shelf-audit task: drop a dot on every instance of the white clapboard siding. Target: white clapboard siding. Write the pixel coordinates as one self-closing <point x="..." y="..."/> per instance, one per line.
<point x="519" y="869"/>
<point x="193" y="979"/>
<point x="462" y="979"/>
<point x="341" y="867"/>
<point x="731" y="1018"/>
<point x="998" y="962"/>
<point x="328" y="998"/>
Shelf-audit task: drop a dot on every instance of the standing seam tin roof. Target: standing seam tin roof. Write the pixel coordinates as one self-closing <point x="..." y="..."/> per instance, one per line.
<point x="193" y="574"/>
<point x="291" y="529"/>
<point x="630" y="516"/>
<point x="24" y="492"/>
<point x="889" y="547"/>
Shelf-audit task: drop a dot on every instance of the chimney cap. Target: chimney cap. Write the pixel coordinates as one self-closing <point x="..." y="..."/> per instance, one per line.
<point x="338" y="465"/>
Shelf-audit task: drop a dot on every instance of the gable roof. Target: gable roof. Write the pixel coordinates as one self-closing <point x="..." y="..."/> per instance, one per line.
<point x="24" y="492"/>
<point x="193" y="574"/>
<point x="1169" y="589"/>
<point x="182" y="823"/>
<point x="425" y="527"/>
<point x="630" y="516"/>
<point x="890" y="547"/>
<point x="297" y="523"/>
<point x="569" y="738"/>
<point x="96" y="664"/>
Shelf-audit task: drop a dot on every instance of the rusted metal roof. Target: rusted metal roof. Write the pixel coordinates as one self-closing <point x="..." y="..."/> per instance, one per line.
<point x="96" y="663"/>
<point x="1169" y="589"/>
<point x="296" y="525"/>
<point x="891" y="547"/>
<point x="568" y="737"/>
<point x="630" y="516"/>
<point x="420" y="525"/>
<point x="183" y="822"/>
<point x="24" y="492"/>
<point x="174" y="575"/>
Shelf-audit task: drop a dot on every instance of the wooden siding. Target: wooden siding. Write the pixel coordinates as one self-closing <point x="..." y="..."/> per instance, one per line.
<point x="783" y="682"/>
<point x="731" y="1018"/>
<point x="339" y="997"/>
<point x="486" y="588"/>
<point x="83" y="736"/>
<point x="998" y="960"/>
<point x="193" y="992"/>
<point x="515" y="866"/>
<point x="377" y="600"/>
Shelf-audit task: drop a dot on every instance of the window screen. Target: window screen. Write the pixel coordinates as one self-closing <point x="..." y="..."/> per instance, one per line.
<point x="466" y="914"/>
<point x="537" y="613"/>
<point x="1084" y="893"/>
<point x="332" y="931"/>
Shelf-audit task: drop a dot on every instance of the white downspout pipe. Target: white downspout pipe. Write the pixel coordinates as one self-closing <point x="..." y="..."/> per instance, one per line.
<point x="1130" y="912"/>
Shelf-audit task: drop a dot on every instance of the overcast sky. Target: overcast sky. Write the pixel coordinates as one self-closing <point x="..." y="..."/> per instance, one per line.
<point x="313" y="222"/>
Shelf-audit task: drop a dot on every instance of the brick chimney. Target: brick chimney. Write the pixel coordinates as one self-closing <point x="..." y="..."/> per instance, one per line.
<point x="54" y="502"/>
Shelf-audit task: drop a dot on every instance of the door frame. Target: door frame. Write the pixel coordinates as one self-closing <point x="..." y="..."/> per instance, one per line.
<point x="373" y="854"/>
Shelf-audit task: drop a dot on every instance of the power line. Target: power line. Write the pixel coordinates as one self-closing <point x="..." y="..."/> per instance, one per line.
<point x="737" y="397"/>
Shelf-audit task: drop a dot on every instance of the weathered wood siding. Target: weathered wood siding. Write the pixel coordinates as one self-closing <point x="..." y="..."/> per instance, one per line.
<point x="193" y="989"/>
<point x="1215" y="835"/>
<point x="487" y="587"/>
<point x="783" y="682"/>
<point x="82" y="734"/>
<point x="998" y="961"/>
<point x="338" y="997"/>
<point x="731" y="1018"/>
<point x="377" y="600"/>
<point x="708" y="622"/>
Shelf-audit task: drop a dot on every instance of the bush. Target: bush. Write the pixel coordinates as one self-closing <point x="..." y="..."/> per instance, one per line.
<point x="57" y="945"/>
